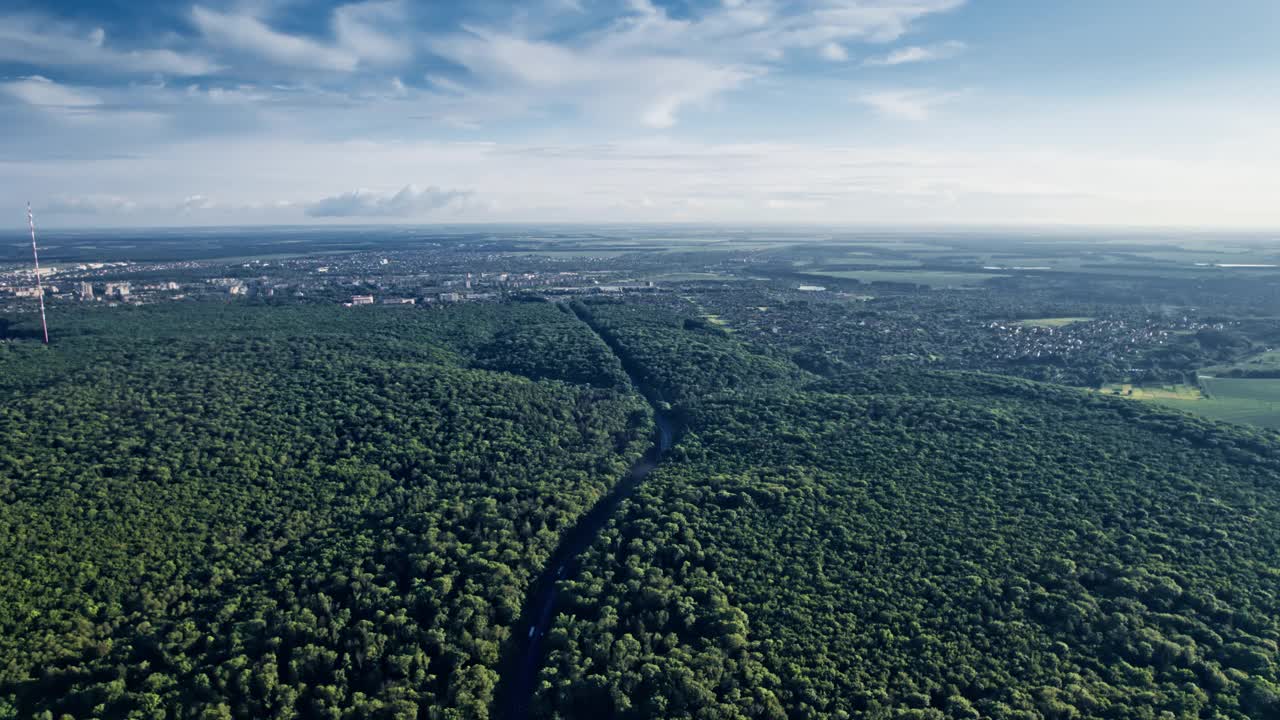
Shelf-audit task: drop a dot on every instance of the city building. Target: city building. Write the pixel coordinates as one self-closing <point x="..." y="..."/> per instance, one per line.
<point x="361" y="299"/>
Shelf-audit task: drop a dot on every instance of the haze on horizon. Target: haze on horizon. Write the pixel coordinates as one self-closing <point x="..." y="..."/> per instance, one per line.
<point x="986" y="112"/>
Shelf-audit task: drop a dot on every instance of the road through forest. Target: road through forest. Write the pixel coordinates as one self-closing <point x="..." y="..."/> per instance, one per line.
<point x="520" y="670"/>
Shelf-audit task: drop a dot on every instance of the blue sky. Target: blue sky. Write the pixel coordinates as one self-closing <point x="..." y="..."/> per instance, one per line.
<point x="1129" y="112"/>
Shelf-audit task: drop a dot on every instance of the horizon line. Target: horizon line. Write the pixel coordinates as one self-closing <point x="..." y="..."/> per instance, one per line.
<point x="708" y="224"/>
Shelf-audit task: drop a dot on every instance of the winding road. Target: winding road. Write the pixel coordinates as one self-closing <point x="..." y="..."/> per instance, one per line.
<point x="520" y="672"/>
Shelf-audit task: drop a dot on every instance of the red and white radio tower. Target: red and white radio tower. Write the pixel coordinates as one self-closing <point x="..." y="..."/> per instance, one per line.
<point x="31" y="223"/>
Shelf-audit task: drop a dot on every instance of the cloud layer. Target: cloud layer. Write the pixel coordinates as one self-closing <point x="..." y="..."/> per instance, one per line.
<point x="918" y="53"/>
<point x="368" y="33"/>
<point x="48" y="42"/>
<point x="410" y="202"/>
<point x="647" y="65"/>
<point x="625" y="61"/>
<point x="833" y="110"/>
<point x="661" y="181"/>
<point x="915" y="105"/>
<point x="42" y="92"/>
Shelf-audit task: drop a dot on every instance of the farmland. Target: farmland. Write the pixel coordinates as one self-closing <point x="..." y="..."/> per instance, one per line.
<point x="1250" y="401"/>
<point x="1246" y="401"/>
<point x="1158" y="393"/>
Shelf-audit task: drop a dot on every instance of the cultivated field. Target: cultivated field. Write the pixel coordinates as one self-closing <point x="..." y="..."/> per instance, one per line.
<point x="1243" y="401"/>
<point x="1177" y="393"/>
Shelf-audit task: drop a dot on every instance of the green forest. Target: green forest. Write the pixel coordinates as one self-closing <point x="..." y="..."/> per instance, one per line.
<point x="230" y="510"/>
<point x="922" y="545"/>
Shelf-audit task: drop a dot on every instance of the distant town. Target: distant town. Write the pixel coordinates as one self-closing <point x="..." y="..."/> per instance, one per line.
<point x="406" y="278"/>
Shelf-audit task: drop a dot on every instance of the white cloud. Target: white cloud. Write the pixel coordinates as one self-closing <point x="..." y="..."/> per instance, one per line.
<point x="240" y="95"/>
<point x="249" y="34"/>
<point x="88" y="205"/>
<point x="821" y="21"/>
<point x="410" y="201"/>
<point x="196" y="202"/>
<point x="834" y="52"/>
<point x="263" y="134"/>
<point x="104" y="208"/>
<point x="914" y="105"/>
<point x="644" y="67"/>
<point x="277" y="181"/>
<point x="918" y="53"/>
<point x="648" y="66"/>
<point x="77" y="107"/>
<point x="760" y="28"/>
<point x="45" y="93"/>
<point x="365" y="33"/>
<point x="525" y="74"/>
<point x="371" y="31"/>
<point x="39" y="40"/>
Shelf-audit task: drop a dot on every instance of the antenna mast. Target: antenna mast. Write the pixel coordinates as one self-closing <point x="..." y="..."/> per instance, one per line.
<point x="31" y="223"/>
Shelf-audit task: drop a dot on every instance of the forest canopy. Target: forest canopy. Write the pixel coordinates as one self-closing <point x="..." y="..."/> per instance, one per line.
<point x="229" y="511"/>
<point x="249" y="511"/>
<point x="923" y="545"/>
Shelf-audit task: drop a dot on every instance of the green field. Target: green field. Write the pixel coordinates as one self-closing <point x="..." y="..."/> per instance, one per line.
<point x="932" y="278"/>
<point x="1153" y="392"/>
<point x="1244" y="401"/>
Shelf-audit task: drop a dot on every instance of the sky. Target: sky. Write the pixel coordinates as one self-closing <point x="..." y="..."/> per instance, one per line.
<point x="1153" y="113"/>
